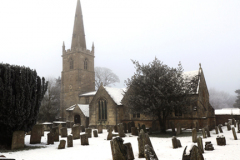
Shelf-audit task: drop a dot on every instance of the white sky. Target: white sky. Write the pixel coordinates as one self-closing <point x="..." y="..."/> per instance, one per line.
<point x="193" y="32"/>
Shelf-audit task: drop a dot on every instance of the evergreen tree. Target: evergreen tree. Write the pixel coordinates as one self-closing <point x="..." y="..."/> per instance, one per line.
<point x="237" y="102"/>
<point x="21" y="93"/>
<point x="157" y="90"/>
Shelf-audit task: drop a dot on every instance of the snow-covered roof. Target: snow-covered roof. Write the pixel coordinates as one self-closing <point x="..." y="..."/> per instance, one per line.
<point x="83" y="107"/>
<point x="227" y="111"/>
<point x="88" y="94"/>
<point x="116" y="94"/>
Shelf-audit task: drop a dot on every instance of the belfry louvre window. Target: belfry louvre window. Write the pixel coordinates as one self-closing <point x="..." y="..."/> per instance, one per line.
<point x="102" y="110"/>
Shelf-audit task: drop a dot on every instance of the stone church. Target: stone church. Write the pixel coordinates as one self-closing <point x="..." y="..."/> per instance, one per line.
<point x="80" y="102"/>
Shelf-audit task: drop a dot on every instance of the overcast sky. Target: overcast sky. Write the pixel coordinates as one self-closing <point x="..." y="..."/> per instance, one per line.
<point x="193" y="32"/>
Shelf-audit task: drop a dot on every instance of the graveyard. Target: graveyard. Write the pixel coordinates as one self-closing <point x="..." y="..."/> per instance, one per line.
<point x="99" y="147"/>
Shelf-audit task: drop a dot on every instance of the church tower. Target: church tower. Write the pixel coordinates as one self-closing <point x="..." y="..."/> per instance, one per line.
<point x="78" y="66"/>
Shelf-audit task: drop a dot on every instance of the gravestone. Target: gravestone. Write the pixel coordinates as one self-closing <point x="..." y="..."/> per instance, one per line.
<point x="228" y="127"/>
<point x="230" y="121"/>
<point x="234" y="122"/>
<point x="62" y="144"/>
<point x="134" y="131"/>
<point x="47" y="126"/>
<point x="18" y="140"/>
<point x="204" y="133"/>
<point x="238" y="126"/>
<point x="174" y="142"/>
<point x="76" y="132"/>
<point x="121" y="130"/>
<point x="130" y="155"/>
<point x="125" y="127"/>
<point x="100" y="128"/>
<point x="59" y="128"/>
<point x="115" y="128"/>
<point x="220" y="128"/>
<point x="50" y="138"/>
<point x="69" y="141"/>
<point x="84" y="139"/>
<point x="144" y="128"/>
<point x="141" y="143"/>
<point x="64" y="132"/>
<point x="195" y="154"/>
<point x="109" y="136"/>
<point x="95" y="133"/>
<point x="139" y="127"/>
<point x="82" y="129"/>
<point x="221" y="141"/>
<point x="36" y="134"/>
<point x="69" y="124"/>
<point x="119" y="150"/>
<point x="200" y="144"/>
<point x="209" y="146"/>
<point x="88" y="131"/>
<point x="216" y="129"/>
<point x="208" y="132"/>
<point x="234" y="133"/>
<point x="129" y="126"/>
<point x="147" y="140"/>
<point x="179" y="130"/>
<point x="194" y="135"/>
<point x="55" y="133"/>
<point x="149" y="153"/>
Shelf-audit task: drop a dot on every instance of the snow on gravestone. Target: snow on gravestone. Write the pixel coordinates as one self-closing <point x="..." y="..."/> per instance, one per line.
<point x="192" y="152"/>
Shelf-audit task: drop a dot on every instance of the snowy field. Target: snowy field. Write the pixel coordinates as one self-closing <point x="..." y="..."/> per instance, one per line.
<point x="99" y="148"/>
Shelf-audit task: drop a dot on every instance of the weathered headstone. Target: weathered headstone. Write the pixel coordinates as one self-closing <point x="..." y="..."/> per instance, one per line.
<point x="234" y="133"/>
<point x="130" y="155"/>
<point x="109" y="136"/>
<point x="234" y="122"/>
<point x="174" y="142"/>
<point x="119" y="150"/>
<point x="221" y="141"/>
<point x="84" y="139"/>
<point x="121" y="130"/>
<point x="69" y="141"/>
<point x="194" y="135"/>
<point x="220" y="128"/>
<point x="149" y="153"/>
<point x="228" y="127"/>
<point x="200" y="144"/>
<point x="95" y="133"/>
<point x="36" y="134"/>
<point x="179" y="143"/>
<point x="64" y="132"/>
<point x="179" y="130"/>
<point x="76" y="132"/>
<point x="147" y="140"/>
<point x="204" y="133"/>
<point x="209" y="146"/>
<point x="195" y="154"/>
<point x="100" y="128"/>
<point x="55" y="133"/>
<point x="216" y="129"/>
<point x="62" y="144"/>
<point x="208" y="132"/>
<point x="59" y="128"/>
<point x="88" y="131"/>
<point x="141" y="143"/>
<point x="125" y="127"/>
<point x="115" y="128"/>
<point x="144" y="128"/>
<point x="82" y="129"/>
<point x="134" y="131"/>
<point x="50" y="138"/>
<point x="18" y="140"/>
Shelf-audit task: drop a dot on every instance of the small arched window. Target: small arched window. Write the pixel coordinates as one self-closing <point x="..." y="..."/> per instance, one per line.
<point x="102" y="109"/>
<point x="71" y="63"/>
<point x="85" y="64"/>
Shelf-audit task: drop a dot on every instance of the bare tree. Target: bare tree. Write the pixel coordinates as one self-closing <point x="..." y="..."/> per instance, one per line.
<point x="221" y="99"/>
<point x="105" y="76"/>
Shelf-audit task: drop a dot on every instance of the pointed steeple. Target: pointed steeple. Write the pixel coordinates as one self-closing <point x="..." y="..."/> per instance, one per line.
<point x="63" y="47"/>
<point x="78" y="37"/>
<point x="93" y="48"/>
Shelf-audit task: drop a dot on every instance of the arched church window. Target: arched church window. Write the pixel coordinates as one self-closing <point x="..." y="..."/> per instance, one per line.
<point x="102" y="109"/>
<point x="71" y="63"/>
<point x="85" y="64"/>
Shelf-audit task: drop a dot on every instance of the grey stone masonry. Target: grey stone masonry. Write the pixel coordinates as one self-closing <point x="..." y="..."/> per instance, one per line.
<point x="18" y="140"/>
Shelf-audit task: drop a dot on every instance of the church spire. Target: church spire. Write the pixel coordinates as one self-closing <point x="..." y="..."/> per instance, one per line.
<point x="78" y="37"/>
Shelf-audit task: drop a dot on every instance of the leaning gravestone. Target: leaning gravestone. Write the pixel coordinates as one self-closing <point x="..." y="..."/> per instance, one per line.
<point x="204" y="133"/>
<point x="84" y="139"/>
<point x="134" y="131"/>
<point x="100" y="128"/>
<point x="64" y="132"/>
<point x="121" y="130"/>
<point x="95" y="133"/>
<point x="200" y="144"/>
<point x="69" y="141"/>
<point x="221" y="141"/>
<point x="119" y="150"/>
<point x="130" y="155"/>
<point x="109" y="136"/>
<point x="141" y="143"/>
<point x="216" y="129"/>
<point x="220" y="128"/>
<point x="193" y="154"/>
<point x="88" y="131"/>
<point x="76" y="132"/>
<point x="149" y="153"/>
<point x="234" y="133"/>
<point x="50" y="138"/>
<point x="36" y="134"/>
<point x="194" y="135"/>
<point x="62" y="144"/>
<point x="18" y="140"/>
<point x="55" y="133"/>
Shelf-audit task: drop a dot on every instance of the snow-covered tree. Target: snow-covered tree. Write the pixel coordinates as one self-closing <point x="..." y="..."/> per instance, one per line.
<point x="105" y="76"/>
<point x="49" y="108"/>
<point x="21" y="93"/>
<point x="157" y="90"/>
<point x="237" y="102"/>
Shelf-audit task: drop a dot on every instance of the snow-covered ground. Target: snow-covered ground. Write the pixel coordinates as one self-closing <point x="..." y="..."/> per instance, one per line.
<point x="99" y="148"/>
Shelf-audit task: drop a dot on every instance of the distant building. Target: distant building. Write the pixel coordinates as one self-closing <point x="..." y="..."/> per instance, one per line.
<point x="224" y="114"/>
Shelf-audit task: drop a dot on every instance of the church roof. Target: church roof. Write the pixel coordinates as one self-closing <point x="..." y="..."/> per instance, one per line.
<point x="227" y="111"/>
<point x="88" y="94"/>
<point x="116" y="94"/>
<point x="83" y="107"/>
<point x="193" y="76"/>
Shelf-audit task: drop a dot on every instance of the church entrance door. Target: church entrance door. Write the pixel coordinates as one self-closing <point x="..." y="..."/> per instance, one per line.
<point x="77" y="119"/>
